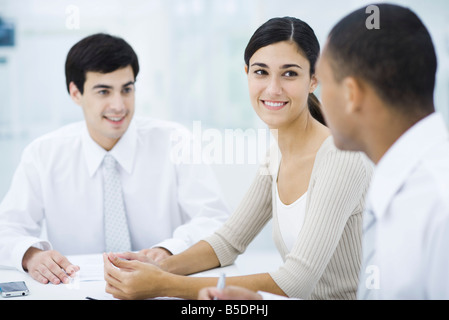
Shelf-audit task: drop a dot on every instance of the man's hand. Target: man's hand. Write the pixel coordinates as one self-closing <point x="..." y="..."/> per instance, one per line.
<point x="48" y="266"/>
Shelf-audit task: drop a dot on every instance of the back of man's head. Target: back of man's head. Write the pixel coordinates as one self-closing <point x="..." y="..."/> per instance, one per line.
<point x="398" y="60"/>
<point x="98" y="53"/>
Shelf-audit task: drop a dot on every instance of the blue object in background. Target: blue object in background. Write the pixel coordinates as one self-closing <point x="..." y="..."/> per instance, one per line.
<point x="6" y="34"/>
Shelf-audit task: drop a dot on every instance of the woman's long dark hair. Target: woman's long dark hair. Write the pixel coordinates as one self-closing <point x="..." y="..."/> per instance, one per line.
<point x="289" y="29"/>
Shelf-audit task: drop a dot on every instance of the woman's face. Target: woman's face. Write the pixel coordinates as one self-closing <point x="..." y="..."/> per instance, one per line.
<point x="279" y="84"/>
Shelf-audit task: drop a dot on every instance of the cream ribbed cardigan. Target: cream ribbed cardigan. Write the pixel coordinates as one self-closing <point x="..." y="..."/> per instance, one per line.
<point x="324" y="263"/>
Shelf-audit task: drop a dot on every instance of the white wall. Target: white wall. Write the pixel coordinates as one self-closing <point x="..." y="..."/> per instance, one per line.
<point x="191" y="56"/>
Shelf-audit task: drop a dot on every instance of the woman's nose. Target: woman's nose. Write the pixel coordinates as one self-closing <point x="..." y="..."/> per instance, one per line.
<point x="274" y="87"/>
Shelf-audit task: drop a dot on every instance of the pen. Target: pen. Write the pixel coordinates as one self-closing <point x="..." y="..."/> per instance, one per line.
<point x="221" y="283"/>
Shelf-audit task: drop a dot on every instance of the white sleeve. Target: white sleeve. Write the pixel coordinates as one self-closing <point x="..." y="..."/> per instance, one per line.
<point x="21" y="214"/>
<point x="202" y="203"/>
<point x="437" y="255"/>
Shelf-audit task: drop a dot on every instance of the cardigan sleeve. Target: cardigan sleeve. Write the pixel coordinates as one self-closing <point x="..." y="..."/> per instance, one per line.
<point x="252" y="214"/>
<point x="335" y="192"/>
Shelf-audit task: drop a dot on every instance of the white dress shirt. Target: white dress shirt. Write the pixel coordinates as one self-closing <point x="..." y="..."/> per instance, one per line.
<point x="409" y="196"/>
<point x="58" y="182"/>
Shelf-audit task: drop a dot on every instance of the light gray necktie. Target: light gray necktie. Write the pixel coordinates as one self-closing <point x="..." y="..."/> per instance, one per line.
<point x="369" y="272"/>
<point x="116" y="230"/>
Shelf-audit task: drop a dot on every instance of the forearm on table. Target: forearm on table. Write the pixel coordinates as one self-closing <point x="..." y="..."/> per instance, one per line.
<point x="189" y="287"/>
<point x="256" y="282"/>
<point x="199" y="257"/>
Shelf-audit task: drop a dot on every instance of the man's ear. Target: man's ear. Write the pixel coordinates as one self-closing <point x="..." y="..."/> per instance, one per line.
<point x="353" y="92"/>
<point x="75" y="94"/>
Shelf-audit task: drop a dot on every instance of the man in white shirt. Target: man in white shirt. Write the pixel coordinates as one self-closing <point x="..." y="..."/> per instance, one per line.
<point x="167" y="206"/>
<point x="377" y="89"/>
<point x="377" y="93"/>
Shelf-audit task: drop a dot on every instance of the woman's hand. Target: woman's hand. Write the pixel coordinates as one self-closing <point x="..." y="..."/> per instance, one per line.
<point x="134" y="279"/>
<point x="156" y="254"/>
<point x="228" y="293"/>
<point x="152" y="256"/>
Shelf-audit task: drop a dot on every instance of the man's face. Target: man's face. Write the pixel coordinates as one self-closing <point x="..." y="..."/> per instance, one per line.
<point x="334" y="105"/>
<point x="107" y="103"/>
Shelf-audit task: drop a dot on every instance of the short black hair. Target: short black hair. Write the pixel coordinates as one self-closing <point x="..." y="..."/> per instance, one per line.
<point x="398" y="60"/>
<point x="98" y="53"/>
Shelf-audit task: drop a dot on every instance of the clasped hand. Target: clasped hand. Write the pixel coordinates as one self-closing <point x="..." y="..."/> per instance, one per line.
<point x="133" y="275"/>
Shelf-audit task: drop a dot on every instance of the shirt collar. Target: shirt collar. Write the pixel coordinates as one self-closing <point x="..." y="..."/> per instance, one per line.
<point x="123" y="152"/>
<point x="402" y="157"/>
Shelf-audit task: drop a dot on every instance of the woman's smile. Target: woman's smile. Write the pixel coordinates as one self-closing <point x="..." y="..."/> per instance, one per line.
<point x="274" y="105"/>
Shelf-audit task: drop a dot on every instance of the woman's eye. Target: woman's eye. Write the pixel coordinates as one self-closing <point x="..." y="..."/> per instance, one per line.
<point x="260" y="72"/>
<point x="290" y="74"/>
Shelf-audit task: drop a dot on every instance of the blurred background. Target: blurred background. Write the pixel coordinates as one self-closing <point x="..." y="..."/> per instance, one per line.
<point x="191" y="58"/>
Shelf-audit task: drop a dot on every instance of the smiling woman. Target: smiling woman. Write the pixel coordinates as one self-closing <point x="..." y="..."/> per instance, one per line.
<point x="320" y="245"/>
<point x="280" y="83"/>
<point x="302" y="39"/>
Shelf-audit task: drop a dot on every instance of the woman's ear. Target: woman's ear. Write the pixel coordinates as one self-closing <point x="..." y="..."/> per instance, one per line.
<point x="246" y="69"/>
<point x="313" y="83"/>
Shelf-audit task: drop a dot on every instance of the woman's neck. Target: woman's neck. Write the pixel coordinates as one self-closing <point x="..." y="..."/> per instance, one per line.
<point x="301" y="137"/>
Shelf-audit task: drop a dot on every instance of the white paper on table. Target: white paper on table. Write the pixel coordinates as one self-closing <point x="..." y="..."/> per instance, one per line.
<point x="91" y="267"/>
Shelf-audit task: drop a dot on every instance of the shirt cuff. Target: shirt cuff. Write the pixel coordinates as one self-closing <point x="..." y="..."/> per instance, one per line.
<point x="173" y="245"/>
<point x="21" y="248"/>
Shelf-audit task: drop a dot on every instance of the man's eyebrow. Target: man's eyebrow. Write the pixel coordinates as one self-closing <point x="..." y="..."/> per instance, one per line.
<point x="285" y="66"/>
<point x="101" y="86"/>
<point x="128" y="84"/>
<point x="104" y="86"/>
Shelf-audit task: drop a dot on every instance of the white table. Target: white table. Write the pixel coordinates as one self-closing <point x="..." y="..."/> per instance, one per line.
<point x="252" y="262"/>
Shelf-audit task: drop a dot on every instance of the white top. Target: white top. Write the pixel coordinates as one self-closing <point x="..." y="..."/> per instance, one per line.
<point x="290" y="218"/>
<point x="324" y="263"/>
<point x="409" y="197"/>
<point x="168" y="204"/>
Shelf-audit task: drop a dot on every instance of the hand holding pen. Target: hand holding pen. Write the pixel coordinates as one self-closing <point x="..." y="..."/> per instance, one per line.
<point x="221" y="283"/>
<point x="221" y="292"/>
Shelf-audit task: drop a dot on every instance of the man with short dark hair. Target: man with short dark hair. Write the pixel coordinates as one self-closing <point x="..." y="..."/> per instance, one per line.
<point x="377" y="93"/>
<point x="108" y="183"/>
